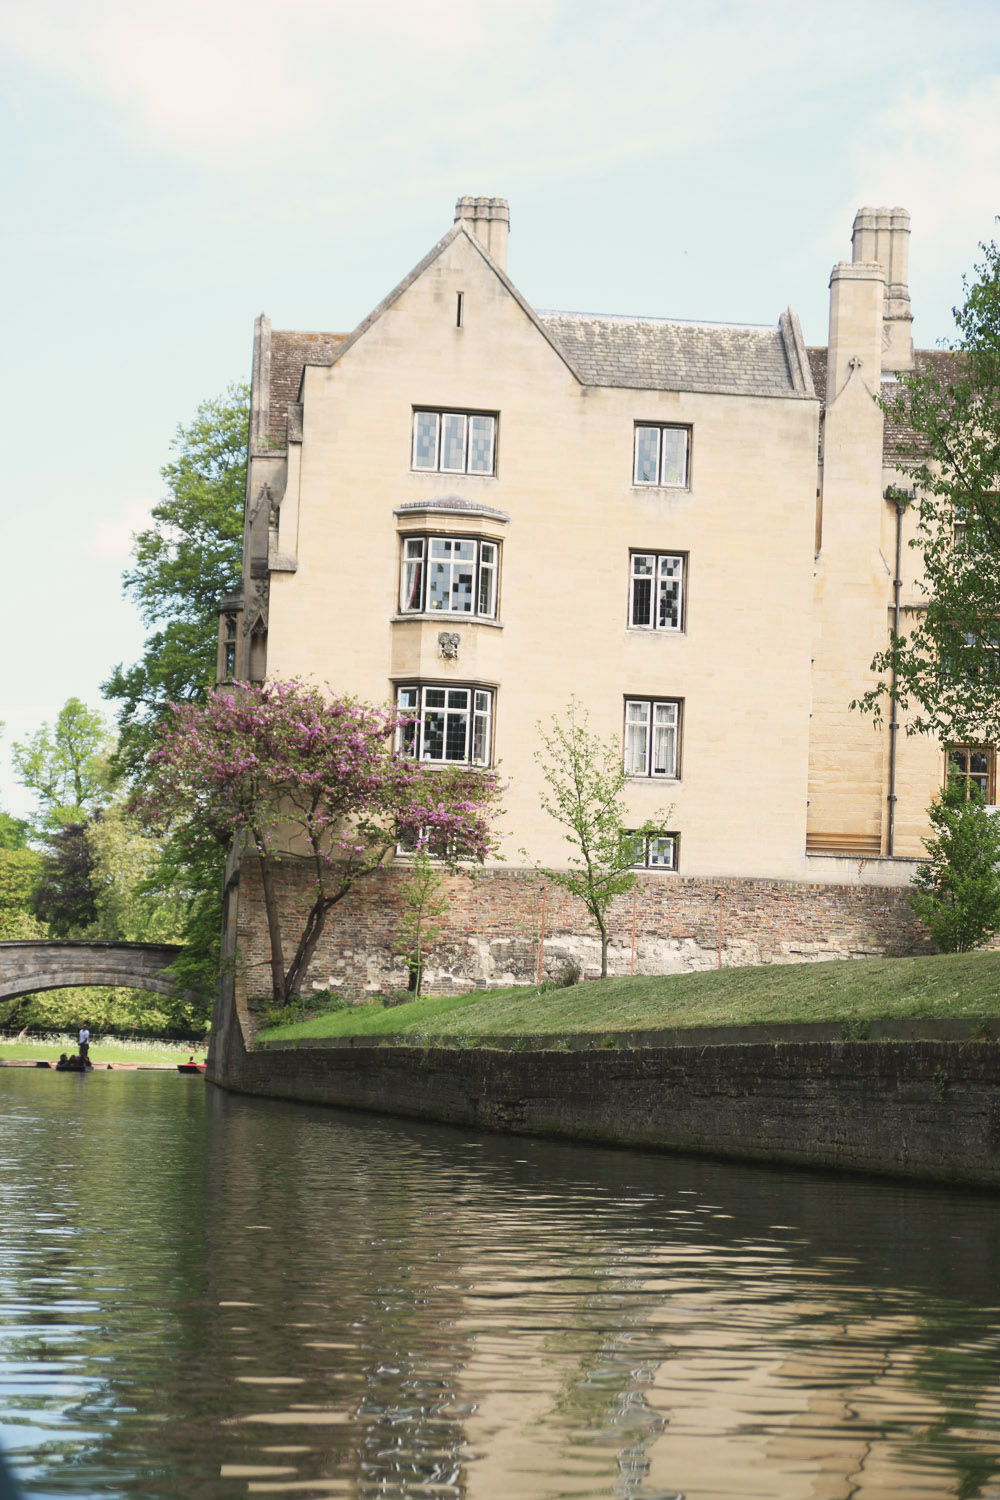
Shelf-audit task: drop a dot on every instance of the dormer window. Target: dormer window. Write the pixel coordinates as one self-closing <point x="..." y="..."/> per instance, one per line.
<point x="449" y="575"/>
<point x="454" y="442"/>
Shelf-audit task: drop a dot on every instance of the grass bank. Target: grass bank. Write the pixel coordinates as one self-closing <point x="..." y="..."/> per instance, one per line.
<point x="858" y="990"/>
<point x="102" y="1051"/>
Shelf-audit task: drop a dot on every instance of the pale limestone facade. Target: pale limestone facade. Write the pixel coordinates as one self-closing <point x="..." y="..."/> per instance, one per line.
<point x="778" y="527"/>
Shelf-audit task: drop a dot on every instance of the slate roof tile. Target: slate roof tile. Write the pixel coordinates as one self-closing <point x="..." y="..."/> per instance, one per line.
<point x="664" y="354"/>
<point x="290" y="353"/>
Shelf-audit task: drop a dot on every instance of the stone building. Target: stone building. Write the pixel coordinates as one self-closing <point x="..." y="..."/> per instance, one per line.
<point x="479" y="510"/>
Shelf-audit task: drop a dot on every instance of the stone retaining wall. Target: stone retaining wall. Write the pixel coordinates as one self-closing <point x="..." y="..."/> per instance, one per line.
<point x="922" y="1109"/>
<point x="491" y="932"/>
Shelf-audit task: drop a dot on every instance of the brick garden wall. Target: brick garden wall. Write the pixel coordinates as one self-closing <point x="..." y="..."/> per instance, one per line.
<point x="491" y="931"/>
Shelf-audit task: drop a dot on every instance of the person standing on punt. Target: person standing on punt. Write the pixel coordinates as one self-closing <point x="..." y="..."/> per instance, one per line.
<point x="85" y="1044"/>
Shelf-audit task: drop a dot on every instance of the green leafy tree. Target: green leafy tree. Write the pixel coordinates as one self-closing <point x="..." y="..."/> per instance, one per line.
<point x="944" y="670"/>
<point x="66" y="765"/>
<point x="184" y="563"/>
<point x="14" y="832"/>
<point x="65" y="897"/>
<point x="20" y="872"/>
<point x="957" y="893"/>
<point x="586" y="782"/>
<point x="129" y="903"/>
<point x="424" y="904"/>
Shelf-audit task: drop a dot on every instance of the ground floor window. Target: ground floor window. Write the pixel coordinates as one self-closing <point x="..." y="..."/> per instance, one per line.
<point x="651" y="736"/>
<point x="654" y="851"/>
<point x="447" y="724"/>
<point x="974" y="766"/>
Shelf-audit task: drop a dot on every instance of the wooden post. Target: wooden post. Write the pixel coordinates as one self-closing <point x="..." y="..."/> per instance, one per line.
<point x="632" y="970"/>
<point x="541" y="940"/>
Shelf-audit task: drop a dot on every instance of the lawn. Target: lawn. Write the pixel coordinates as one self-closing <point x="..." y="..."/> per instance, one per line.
<point x="857" y="990"/>
<point x="102" y="1051"/>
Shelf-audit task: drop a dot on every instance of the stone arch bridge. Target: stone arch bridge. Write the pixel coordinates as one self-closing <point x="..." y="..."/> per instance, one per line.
<point x="29" y="967"/>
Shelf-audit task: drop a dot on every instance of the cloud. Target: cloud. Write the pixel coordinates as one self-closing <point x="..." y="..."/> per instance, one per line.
<point x="112" y="536"/>
<point x="568" y="83"/>
<point x="936" y="153"/>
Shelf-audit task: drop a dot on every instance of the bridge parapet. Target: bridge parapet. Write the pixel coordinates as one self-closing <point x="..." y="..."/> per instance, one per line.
<point x="26" y="968"/>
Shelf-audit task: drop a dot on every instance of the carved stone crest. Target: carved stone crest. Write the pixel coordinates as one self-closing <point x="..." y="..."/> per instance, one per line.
<point x="448" y="644"/>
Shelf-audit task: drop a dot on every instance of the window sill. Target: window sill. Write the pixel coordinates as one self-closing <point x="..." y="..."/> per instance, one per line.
<point x="452" y="474"/>
<point x="441" y="617"/>
<point x="656" y="630"/>
<point x="661" y="489"/>
<point x="446" y="765"/>
<point x="659" y="780"/>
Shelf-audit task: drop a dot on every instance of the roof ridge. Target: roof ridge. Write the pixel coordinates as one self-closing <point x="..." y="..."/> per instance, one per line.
<point x="555" y="312"/>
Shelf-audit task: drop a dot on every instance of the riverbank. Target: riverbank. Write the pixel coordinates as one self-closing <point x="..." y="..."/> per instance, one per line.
<point x="888" y="1067"/>
<point x="115" y="1051"/>
<point x="849" y="997"/>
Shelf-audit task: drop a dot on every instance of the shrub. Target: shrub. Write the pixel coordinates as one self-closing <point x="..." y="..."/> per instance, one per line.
<point x="957" y="893"/>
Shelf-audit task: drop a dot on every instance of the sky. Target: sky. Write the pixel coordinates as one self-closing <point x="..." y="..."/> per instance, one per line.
<point x="170" y="170"/>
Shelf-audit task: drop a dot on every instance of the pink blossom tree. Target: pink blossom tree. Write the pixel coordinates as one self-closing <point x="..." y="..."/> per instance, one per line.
<point x="293" y="771"/>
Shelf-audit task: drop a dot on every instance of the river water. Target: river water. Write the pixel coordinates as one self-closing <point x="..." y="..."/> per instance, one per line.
<point x="208" y="1296"/>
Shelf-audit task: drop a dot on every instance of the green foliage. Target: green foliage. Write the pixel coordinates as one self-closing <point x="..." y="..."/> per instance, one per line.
<point x="65" y="897"/>
<point x="425" y="903"/>
<point x="14" y="832"/>
<point x="957" y="893"/>
<point x="184" y="563"/>
<point x="586" y="783"/>
<point x="20" y="872"/>
<point x="126" y="860"/>
<point x="66" y="765"/>
<point x="944" y="670"/>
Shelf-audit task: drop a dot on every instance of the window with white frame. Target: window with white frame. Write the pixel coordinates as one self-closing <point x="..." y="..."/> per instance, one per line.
<point x="653" y="851"/>
<point x="454" y="442"/>
<point x="656" y="597"/>
<point x="651" y="736"/>
<point x="662" y="455"/>
<point x="453" y="725"/>
<point x="449" y="575"/>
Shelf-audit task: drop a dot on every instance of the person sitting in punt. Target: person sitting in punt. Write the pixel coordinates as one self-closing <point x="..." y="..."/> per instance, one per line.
<point x="63" y="1063"/>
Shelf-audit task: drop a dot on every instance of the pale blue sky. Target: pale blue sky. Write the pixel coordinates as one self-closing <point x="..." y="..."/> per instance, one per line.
<point x="170" y="170"/>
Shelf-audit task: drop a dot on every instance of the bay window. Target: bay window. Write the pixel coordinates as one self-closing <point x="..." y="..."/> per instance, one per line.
<point x="449" y="575"/>
<point x="452" y="725"/>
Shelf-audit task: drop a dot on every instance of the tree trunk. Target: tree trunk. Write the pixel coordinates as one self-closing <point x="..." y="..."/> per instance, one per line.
<point x="279" y="991"/>
<point x="311" y="934"/>
<point x="604" y="947"/>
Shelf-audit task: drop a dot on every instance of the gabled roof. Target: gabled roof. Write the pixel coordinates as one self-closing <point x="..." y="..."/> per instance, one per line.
<point x="428" y="260"/>
<point x="667" y="354"/>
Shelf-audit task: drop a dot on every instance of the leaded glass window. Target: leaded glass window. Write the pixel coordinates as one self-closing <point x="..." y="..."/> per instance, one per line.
<point x="657" y="590"/>
<point x="449" y="575"/>
<point x="651" y="728"/>
<point x="454" y="442"/>
<point x="662" y="455"/>
<point x="656" y="851"/>
<point x="973" y="767"/>
<point x="446" y="724"/>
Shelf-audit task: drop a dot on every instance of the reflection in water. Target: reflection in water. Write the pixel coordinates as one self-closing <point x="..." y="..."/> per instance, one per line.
<point x="208" y="1296"/>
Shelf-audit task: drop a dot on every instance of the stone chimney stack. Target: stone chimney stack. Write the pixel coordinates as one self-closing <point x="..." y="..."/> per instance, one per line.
<point x="489" y="221"/>
<point x="882" y="237"/>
